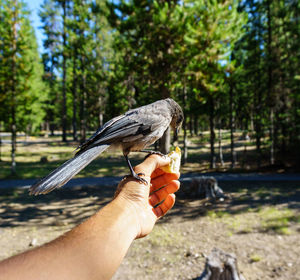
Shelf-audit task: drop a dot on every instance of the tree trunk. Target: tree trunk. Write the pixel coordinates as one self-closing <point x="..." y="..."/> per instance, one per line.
<point x="270" y="83"/>
<point x="221" y="266"/>
<point x="165" y="142"/>
<point x="196" y="128"/>
<point x="101" y="111"/>
<point x="232" y="126"/>
<point x="74" y="120"/>
<point x="13" y="97"/>
<point x="64" y="101"/>
<point x="272" y="157"/>
<point x="185" y="139"/>
<point x="220" y="145"/>
<point x="185" y="146"/>
<point x="191" y="126"/>
<point x="212" y="132"/>
<point x="13" y="141"/>
<point x="258" y="133"/>
<point x="83" y="109"/>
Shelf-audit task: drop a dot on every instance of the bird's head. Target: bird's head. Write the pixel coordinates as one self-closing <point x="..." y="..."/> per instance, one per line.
<point x="177" y="115"/>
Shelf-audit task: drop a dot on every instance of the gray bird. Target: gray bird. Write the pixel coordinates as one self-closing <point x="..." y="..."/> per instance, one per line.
<point x="133" y="131"/>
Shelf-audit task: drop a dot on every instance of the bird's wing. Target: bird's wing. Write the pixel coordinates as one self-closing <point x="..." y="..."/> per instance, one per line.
<point x="88" y="142"/>
<point x="133" y="125"/>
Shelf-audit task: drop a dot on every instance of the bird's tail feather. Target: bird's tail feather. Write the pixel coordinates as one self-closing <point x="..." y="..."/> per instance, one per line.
<point x="66" y="171"/>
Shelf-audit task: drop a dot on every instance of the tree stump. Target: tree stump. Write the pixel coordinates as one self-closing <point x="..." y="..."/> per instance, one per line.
<point x="206" y="187"/>
<point x="220" y="266"/>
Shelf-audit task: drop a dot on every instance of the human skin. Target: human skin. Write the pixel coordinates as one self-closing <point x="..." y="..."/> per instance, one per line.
<point x="95" y="248"/>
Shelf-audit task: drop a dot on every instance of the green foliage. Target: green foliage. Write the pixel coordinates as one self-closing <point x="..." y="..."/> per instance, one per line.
<point x="230" y="64"/>
<point x="21" y="86"/>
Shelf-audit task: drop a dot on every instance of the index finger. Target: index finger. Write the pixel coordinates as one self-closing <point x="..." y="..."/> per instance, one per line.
<point x="151" y="163"/>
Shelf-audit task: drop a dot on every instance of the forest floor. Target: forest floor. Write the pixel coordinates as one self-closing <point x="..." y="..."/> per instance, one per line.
<point x="259" y="223"/>
<point x="38" y="156"/>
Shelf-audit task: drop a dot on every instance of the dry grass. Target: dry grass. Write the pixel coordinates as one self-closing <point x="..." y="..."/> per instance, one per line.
<point x="32" y="152"/>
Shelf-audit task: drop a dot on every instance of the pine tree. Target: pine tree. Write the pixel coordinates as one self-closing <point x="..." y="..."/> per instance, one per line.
<point x="148" y="33"/>
<point x="49" y="15"/>
<point x="20" y="73"/>
<point x="213" y="29"/>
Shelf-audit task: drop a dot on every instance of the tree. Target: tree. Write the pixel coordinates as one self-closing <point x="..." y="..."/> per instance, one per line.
<point x="213" y="29"/>
<point x="148" y="32"/>
<point x="49" y="15"/>
<point x="269" y="55"/>
<point x="20" y="73"/>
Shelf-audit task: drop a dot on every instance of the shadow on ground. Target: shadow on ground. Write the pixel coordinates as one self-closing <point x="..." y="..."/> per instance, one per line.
<point x="243" y="197"/>
<point x="61" y="207"/>
<point x="71" y="206"/>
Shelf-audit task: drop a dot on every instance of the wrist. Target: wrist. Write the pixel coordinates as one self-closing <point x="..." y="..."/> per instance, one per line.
<point x="126" y="212"/>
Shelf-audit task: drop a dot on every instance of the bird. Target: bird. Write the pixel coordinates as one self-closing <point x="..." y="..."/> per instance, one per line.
<point x="133" y="131"/>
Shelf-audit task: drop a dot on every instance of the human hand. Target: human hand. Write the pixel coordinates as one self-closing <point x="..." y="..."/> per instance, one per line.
<point x="143" y="199"/>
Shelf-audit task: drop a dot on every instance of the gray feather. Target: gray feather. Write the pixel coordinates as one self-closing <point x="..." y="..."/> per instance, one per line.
<point x="65" y="172"/>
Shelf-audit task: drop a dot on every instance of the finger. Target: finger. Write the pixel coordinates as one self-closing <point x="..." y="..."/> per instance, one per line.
<point x="164" y="179"/>
<point x="161" y="194"/>
<point x="157" y="172"/>
<point x="151" y="163"/>
<point x="163" y="208"/>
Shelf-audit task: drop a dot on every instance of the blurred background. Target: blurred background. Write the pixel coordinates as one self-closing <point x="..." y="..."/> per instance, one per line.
<point x="232" y="65"/>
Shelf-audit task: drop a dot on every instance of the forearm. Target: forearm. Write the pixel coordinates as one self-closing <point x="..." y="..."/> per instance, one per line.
<point x="92" y="250"/>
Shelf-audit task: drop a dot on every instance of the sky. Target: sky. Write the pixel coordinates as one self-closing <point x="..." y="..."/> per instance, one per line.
<point x="34" y="6"/>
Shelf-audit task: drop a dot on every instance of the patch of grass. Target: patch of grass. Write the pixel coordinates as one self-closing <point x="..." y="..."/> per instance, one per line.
<point x="235" y="223"/>
<point x="277" y="220"/>
<point x="265" y="193"/>
<point x="261" y="218"/>
<point x="217" y="214"/>
<point x="255" y="258"/>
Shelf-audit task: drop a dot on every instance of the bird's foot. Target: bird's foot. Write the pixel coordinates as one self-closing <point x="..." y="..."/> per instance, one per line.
<point x="153" y="153"/>
<point x="137" y="177"/>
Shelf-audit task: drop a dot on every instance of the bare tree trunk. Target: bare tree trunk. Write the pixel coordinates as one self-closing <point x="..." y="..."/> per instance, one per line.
<point x="191" y="126"/>
<point x="272" y="157"/>
<point x="13" y="140"/>
<point x="165" y="142"/>
<point x="83" y="109"/>
<point x="232" y="126"/>
<point x="212" y="132"/>
<point x="185" y="144"/>
<point x="74" y="120"/>
<point x="196" y="128"/>
<point x="64" y="101"/>
<point x="270" y="83"/>
<point x="220" y="145"/>
<point x="100" y="115"/>
<point x="185" y="139"/>
<point x="258" y="132"/>
<point x="13" y="97"/>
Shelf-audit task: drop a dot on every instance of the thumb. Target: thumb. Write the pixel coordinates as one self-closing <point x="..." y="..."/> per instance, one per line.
<point x="151" y="163"/>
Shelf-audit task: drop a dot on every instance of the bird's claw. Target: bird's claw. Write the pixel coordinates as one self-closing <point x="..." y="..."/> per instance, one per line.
<point x="137" y="177"/>
<point x="154" y="153"/>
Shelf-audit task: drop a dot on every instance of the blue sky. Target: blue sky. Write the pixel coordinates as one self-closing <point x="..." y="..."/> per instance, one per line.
<point x="34" y="6"/>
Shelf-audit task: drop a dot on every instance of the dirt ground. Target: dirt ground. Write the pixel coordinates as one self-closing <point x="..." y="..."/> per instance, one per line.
<point x="259" y="223"/>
